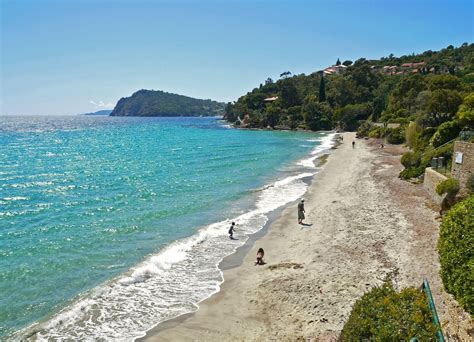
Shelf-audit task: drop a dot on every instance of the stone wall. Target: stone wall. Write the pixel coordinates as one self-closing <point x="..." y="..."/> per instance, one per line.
<point x="462" y="171"/>
<point x="431" y="179"/>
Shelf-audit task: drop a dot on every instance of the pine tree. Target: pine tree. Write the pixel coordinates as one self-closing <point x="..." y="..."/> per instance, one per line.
<point x="322" y="90"/>
<point x="338" y="62"/>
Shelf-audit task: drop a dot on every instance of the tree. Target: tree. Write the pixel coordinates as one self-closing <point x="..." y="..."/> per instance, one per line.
<point x="446" y="132"/>
<point x="350" y="115"/>
<point x="285" y="74"/>
<point x="322" y="90"/>
<point x="341" y="91"/>
<point x="347" y="63"/>
<point x="405" y="93"/>
<point x="271" y="115"/>
<point x="268" y="81"/>
<point x="338" y="62"/>
<point x="316" y="115"/>
<point x="289" y="94"/>
<point x="465" y="113"/>
<point x="445" y="82"/>
<point x="443" y="105"/>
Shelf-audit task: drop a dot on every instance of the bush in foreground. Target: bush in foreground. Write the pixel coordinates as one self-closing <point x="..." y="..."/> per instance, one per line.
<point x="385" y="315"/>
<point x="456" y="253"/>
<point x="450" y="187"/>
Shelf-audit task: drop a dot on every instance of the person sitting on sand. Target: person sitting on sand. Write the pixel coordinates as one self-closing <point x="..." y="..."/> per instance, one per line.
<point x="260" y="254"/>
<point x="301" y="212"/>
<point x="232" y="230"/>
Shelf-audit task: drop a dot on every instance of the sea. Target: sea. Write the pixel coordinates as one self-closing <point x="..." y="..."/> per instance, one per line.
<point x="111" y="225"/>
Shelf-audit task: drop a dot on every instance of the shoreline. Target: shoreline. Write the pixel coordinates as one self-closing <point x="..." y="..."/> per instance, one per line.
<point x="237" y="258"/>
<point x="359" y="234"/>
<point x="230" y="260"/>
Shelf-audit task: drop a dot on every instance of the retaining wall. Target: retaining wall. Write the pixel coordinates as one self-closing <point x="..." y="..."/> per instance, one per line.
<point x="431" y="179"/>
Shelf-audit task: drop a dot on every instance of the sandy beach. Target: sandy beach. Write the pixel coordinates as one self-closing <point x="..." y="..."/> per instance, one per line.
<point x="362" y="225"/>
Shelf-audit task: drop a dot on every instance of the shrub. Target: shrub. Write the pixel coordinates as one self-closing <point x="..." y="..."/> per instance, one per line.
<point x="411" y="133"/>
<point x="364" y="129"/>
<point x="423" y="138"/>
<point x="447" y="131"/>
<point x="470" y="184"/>
<point x="411" y="159"/>
<point x="385" y="315"/>
<point x="446" y="152"/>
<point x="396" y="135"/>
<point x="450" y="187"/>
<point x="466" y="111"/>
<point x="376" y="132"/>
<point x="455" y="246"/>
<point x="412" y="172"/>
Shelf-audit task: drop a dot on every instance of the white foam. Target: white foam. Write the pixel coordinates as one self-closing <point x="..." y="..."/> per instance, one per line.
<point x="169" y="283"/>
<point x="15" y="198"/>
<point x="326" y="143"/>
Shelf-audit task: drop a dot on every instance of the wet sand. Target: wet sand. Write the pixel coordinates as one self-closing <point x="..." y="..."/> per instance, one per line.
<point x="362" y="225"/>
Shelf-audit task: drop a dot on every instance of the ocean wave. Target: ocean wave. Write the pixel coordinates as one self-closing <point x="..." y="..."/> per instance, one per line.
<point x="326" y="143"/>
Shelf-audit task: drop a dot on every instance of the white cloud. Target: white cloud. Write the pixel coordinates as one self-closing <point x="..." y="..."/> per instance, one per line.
<point x="102" y="105"/>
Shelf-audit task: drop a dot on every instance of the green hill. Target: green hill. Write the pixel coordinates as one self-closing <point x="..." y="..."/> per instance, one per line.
<point x="426" y="87"/>
<point x="160" y="103"/>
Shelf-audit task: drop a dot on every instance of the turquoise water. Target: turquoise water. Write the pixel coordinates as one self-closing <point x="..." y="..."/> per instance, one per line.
<point x="110" y="225"/>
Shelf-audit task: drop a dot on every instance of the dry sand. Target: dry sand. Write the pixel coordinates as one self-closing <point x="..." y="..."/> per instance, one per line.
<point x="363" y="224"/>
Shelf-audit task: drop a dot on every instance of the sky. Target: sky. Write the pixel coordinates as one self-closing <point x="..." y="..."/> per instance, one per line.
<point x="61" y="57"/>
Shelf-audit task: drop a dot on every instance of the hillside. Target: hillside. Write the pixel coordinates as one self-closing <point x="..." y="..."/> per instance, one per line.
<point x="392" y="89"/>
<point x="160" y="103"/>
<point x="427" y="99"/>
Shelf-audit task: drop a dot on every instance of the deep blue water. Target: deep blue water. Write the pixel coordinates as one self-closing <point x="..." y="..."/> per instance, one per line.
<point x="119" y="223"/>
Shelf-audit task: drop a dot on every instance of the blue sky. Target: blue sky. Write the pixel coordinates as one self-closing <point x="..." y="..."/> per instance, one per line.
<point x="74" y="56"/>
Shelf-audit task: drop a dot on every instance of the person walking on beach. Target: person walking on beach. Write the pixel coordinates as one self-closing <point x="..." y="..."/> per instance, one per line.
<point x="353" y="143"/>
<point x="232" y="230"/>
<point x="301" y="212"/>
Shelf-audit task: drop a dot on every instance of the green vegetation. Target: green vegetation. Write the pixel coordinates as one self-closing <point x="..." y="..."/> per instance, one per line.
<point x="385" y="315"/>
<point x="424" y="100"/>
<point x="450" y="187"/>
<point x="160" y="103"/>
<point x="456" y="253"/>
<point x="470" y="184"/>
<point x="428" y="90"/>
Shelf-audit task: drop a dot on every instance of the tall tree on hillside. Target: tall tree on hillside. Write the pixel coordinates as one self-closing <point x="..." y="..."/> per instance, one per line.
<point x="322" y="90"/>
<point x="289" y="94"/>
<point x="317" y="116"/>
<point x="338" y="62"/>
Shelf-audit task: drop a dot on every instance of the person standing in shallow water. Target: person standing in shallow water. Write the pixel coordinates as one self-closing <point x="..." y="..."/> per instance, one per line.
<point x="232" y="230"/>
<point x="301" y="212"/>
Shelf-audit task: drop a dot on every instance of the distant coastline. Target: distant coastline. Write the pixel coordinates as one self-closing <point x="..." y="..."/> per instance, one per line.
<point x="100" y="112"/>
